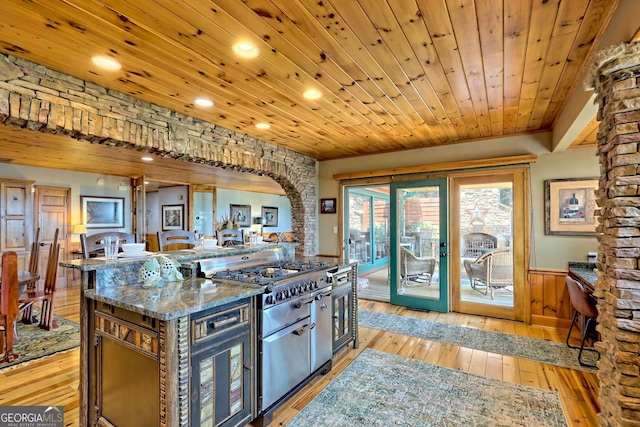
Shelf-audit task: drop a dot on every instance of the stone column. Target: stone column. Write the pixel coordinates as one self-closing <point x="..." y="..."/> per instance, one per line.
<point x="615" y="77"/>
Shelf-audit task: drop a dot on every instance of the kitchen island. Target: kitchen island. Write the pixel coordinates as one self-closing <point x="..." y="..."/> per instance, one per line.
<point x="153" y="328"/>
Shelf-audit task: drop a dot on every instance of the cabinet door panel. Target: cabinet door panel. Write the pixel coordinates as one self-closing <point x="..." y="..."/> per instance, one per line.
<point x="16" y="199"/>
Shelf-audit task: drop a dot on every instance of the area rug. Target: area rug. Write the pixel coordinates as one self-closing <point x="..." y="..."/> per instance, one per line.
<point x="553" y="353"/>
<point x="35" y="343"/>
<point x="382" y="389"/>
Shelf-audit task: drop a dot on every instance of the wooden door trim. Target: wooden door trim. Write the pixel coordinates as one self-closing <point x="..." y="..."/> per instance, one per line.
<point x="519" y="177"/>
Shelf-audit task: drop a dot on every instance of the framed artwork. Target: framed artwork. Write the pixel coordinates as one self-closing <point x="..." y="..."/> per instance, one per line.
<point x="172" y="217"/>
<point x="102" y="212"/>
<point x="242" y="214"/>
<point x="327" y="206"/>
<point x="570" y="206"/>
<point x="269" y="216"/>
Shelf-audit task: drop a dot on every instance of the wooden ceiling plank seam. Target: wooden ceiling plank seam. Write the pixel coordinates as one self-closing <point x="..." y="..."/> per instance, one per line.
<point x="149" y="83"/>
<point x="464" y="22"/>
<point x="151" y="29"/>
<point x="559" y="48"/>
<point x="361" y="55"/>
<point x="329" y="69"/>
<point x="420" y="43"/>
<point x="543" y="15"/>
<point x="516" y="27"/>
<point x="491" y="30"/>
<point x="388" y="30"/>
<point x="594" y="24"/>
<point x="357" y="87"/>
<point x="337" y="90"/>
<point x="438" y="23"/>
<point x="387" y="95"/>
<point x="563" y="37"/>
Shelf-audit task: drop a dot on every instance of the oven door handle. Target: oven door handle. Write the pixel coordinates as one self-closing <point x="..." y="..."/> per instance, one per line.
<point x="302" y="302"/>
<point x="300" y="330"/>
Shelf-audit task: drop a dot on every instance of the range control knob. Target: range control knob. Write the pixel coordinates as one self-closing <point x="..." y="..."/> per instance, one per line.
<point x="269" y="299"/>
<point x="279" y="296"/>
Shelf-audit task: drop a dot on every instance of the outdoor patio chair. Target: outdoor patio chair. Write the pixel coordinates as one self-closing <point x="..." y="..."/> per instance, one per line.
<point x="491" y="270"/>
<point x="416" y="271"/>
<point x="475" y="244"/>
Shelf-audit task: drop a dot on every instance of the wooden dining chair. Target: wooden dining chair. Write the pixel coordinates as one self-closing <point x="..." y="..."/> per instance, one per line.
<point x="9" y="308"/>
<point x="94" y="243"/>
<point x="46" y="295"/>
<point x="34" y="261"/>
<point x="176" y="239"/>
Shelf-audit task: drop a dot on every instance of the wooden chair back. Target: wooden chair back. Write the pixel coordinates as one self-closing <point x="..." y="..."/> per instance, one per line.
<point x="230" y="236"/>
<point x="579" y="299"/>
<point x="95" y="242"/>
<point x="9" y="285"/>
<point x="34" y="257"/>
<point x="51" y="275"/>
<point x="9" y="308"/>
<point x="176" y="239"/>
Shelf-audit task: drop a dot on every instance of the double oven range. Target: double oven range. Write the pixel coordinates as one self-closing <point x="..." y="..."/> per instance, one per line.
<point x="295" y="321"/>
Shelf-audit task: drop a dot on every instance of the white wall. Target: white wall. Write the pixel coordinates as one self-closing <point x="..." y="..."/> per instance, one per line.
<point x="257" y="201"/>
<point x="550" y="252"/>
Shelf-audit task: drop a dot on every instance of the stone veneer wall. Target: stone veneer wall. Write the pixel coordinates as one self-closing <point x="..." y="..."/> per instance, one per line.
<point x="615" y="77"/>
<point x="40" y="99"/>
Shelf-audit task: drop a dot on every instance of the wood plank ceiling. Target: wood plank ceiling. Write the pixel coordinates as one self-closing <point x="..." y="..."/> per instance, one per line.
<point x="395" y="74"/>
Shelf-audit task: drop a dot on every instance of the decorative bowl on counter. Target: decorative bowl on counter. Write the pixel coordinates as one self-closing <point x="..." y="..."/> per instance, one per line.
<point x="133" y="248"/>
<point x="209" y="243"/>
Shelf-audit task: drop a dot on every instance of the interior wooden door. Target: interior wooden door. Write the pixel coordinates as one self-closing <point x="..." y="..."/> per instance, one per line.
<point x="52" y="208"/>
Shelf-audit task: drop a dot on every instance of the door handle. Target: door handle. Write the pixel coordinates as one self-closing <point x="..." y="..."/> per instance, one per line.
<point x="42" y="244"/>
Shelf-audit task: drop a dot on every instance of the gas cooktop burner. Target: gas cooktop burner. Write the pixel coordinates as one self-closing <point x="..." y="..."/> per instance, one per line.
<point x="269" y="273"/>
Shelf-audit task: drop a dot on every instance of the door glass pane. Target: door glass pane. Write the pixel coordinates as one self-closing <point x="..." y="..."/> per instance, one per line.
<point x="419" y="225"/>
<point x="360" y="228"/>
<point x="486" y="224"/>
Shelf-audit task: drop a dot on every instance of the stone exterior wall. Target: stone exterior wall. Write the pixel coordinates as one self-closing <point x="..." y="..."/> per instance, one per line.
<point x="40" y="99"/>
<point x="616" y="80"/>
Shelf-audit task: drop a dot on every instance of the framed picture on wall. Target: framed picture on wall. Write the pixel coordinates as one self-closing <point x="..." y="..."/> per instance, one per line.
<point x="269" y="216"/>
<point x="102" y="212"/>
<point x="327" y="206"/>
<point x="172" y="217"/>
<point x="242" y="214"/>
<point x="570" y="206"/>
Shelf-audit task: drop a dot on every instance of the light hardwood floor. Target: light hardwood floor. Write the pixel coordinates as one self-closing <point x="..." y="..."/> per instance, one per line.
<point x="54" y="380"/>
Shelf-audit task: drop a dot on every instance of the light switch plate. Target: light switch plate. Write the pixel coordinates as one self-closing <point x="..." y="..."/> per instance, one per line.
<point x="335" y="229"/>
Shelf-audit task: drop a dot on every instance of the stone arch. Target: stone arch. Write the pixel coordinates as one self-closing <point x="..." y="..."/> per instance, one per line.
<point x="37" y="98"/>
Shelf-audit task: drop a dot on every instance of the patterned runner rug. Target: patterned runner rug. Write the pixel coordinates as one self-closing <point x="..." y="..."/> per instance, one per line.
<point x="553" y="353"/>
<point x="382" y="389"/>
<point x="35" y="343"/>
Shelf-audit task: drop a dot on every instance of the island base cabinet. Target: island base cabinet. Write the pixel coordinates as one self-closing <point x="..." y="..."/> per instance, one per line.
<point x="129" y="393"/>
<point x="222" y="368"/>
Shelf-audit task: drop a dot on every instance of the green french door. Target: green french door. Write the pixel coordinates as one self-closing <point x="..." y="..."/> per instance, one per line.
<point x="419" y="246"/>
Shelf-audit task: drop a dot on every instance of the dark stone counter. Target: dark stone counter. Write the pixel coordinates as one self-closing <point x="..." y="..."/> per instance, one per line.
<point x="170" y="300"/>
<point x="584" y="273"/>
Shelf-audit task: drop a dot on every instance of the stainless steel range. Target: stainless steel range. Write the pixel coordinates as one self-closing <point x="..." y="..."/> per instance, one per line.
<point x="294" y="321"/>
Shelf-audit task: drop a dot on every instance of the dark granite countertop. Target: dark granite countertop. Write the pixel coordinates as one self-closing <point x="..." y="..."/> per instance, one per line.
<point x="185" y="256"/>
<point x="170" y="300"/>
<point x="584" y="271"/>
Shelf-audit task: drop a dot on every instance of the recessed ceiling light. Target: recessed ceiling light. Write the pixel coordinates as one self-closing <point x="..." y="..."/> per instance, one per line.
<point x="147" y="159"/>
<point x="263" y="125"/>
<point x="312" y="94"/>
<point x="106" y="63"/>
<point x="245" y="49"/>
<point x="204" y="102"/>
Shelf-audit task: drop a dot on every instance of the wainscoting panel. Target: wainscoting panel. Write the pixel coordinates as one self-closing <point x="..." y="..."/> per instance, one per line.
<point x="550" y="304"/>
